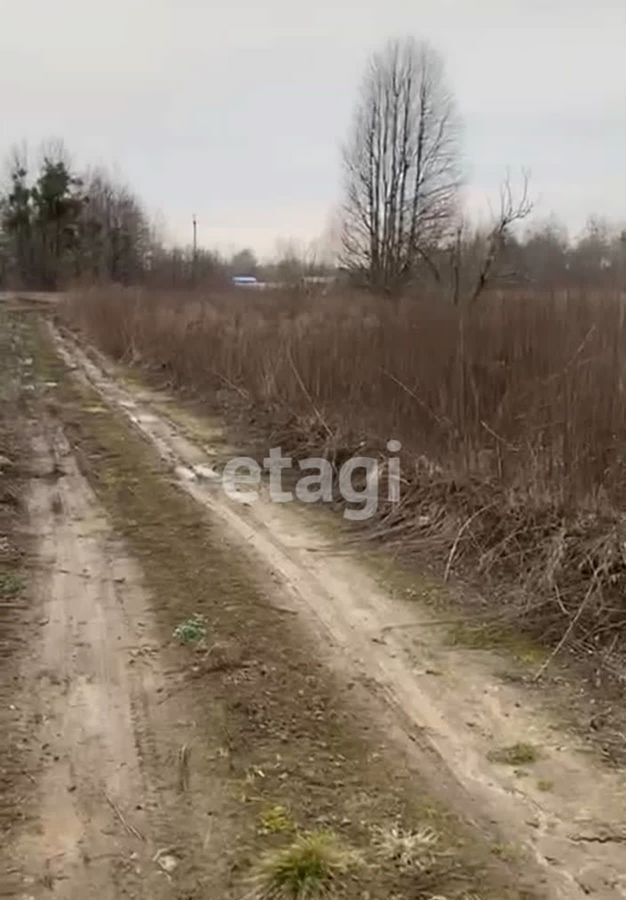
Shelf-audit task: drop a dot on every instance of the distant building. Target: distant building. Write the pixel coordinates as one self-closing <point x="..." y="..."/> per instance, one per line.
<point x="319" y="279"/>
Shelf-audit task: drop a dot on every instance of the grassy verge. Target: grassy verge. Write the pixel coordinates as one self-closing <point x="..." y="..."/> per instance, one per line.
<point x="16" y="384"/>
<point x="307" y="773"/>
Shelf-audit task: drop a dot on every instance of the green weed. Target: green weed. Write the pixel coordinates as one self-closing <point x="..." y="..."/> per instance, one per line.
<point x="191" y="630"/>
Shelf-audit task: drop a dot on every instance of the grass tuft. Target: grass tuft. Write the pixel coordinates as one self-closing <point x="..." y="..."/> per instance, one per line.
<point x="11" y="585"/>
<point x="314" y="865"/>
<point x="516" y="755"/>
<point x="545" y="785"/>
<point x="275" y="820"/>
<point x="409" y="850"/>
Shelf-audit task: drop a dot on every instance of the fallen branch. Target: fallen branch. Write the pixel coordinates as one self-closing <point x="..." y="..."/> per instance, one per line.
<point x="460" y="533"/>
<point x="568" y="630"/>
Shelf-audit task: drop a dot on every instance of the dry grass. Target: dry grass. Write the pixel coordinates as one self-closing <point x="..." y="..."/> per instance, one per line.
<point x="518" y="754"/>
<point x="409" y="850"/>
<point x="512" y="420"/>
<point x="313" y="866"/>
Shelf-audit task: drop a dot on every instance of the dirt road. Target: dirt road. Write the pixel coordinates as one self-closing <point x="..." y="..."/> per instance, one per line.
<point x="151" y="771"/>
<point x="104" y="751"/>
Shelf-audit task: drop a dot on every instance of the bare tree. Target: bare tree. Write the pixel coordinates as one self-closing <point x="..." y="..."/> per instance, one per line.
<point x="512" y="210"/>
<point x="401" y="166"/>
<point x="114" y="231"/>
<point x="15" y="217"/>
<point x="480" y="257"/>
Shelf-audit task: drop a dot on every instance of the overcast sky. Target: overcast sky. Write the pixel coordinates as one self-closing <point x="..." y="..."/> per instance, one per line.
<point x="236" y="110"/>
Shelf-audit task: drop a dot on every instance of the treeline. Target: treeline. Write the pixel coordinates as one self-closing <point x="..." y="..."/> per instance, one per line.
<point x="540" y="257"/>
<point x="60" y="226"/>
<point x="545" y="256"/>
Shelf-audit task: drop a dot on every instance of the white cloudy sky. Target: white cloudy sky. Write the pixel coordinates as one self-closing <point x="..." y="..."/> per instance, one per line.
<point x="236" y="110"/>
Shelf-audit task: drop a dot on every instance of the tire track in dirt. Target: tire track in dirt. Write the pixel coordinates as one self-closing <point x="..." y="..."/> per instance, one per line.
<point x="449" y="724"/>
<point x="104" y="751"/>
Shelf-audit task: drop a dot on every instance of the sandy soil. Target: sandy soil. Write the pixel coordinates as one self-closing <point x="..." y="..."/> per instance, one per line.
<point x="559" y="818"/>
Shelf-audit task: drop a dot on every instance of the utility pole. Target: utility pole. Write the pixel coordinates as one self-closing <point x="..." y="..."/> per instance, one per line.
<point x="194" y="258"/>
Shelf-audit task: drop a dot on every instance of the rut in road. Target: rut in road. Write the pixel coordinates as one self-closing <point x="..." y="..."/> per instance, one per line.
<point x="106" y="748"/>
<point x="443" y="705"/>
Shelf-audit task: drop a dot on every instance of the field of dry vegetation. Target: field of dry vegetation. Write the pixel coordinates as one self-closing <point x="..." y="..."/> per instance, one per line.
<point x="511" y="415"/>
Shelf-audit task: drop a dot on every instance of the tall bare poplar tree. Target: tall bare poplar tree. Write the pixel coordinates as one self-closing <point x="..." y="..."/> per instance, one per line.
<point x="401" y="166"/>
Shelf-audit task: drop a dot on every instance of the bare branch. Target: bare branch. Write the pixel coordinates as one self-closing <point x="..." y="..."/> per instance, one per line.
<point x="511" y="211"/>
